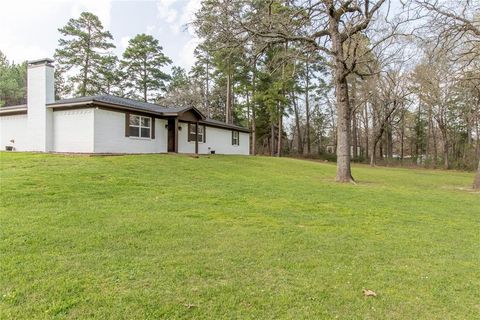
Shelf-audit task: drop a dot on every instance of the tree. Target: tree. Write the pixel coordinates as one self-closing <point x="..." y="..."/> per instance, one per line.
<point x="84" y="51"/>
<point x="183" y="90"/>
<point x="476" y="181"/>
<point x="13" y="80"/>
<point x="142" y="62"/>
<point x="458" y="31"/>
<point x="111" y="77"/>
<point x="325" y="26"/>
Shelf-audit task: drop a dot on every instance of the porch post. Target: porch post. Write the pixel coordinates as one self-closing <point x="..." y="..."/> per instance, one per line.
<point x="196" y="137"/>
<point x="176" y="134"/>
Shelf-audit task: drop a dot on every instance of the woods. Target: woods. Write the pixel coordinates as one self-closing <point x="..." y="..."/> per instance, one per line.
<point x="377" y="82"/>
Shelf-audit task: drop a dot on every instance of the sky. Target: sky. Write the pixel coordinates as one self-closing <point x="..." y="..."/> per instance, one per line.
<point x="29" y="28"/>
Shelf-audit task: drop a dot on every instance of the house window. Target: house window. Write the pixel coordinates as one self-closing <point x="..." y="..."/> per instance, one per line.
<point x="192" y="132"/>
<point x="139" y="126"/>
<point x="235" y="138"/>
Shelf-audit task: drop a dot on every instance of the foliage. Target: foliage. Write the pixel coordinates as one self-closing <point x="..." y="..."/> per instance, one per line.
<point x="13" y="82"/>
<point x="83" y="51"/>
<point x="142" y="61"/>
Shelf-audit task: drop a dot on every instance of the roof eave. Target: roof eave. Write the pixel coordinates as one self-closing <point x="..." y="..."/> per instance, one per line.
<point x="13" y="110"/>
<point x="101" y="103"/>
<point x="225" y="126"/>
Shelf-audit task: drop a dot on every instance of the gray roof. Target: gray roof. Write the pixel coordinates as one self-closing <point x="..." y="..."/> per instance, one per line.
<point x="141" y="106"/>
<point x="222" y="124"/>
<point x="146" y="106"/>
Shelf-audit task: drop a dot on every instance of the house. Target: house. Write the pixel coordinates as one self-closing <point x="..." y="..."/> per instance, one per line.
<point x="109" y="124"/>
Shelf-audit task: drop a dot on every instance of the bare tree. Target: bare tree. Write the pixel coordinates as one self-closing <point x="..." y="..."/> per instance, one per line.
<point x="324" y="26"/>
<point x="457" y="30"/>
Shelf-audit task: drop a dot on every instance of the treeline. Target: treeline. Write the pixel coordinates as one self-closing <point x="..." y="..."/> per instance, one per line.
<point x="407" y="92"/>
<point x="13" y="82"/>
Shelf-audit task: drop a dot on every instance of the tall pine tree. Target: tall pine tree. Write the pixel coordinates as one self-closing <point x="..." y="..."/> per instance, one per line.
<point x="83" y="51"/>
<point x="142" y="63"/>
<point x="13" y="79"/>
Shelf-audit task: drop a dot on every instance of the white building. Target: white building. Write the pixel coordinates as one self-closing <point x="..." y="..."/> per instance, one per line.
<point x="109" y="124"/>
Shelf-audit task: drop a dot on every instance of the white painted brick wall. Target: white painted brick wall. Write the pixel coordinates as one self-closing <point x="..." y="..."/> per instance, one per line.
<point x="73" y="130"/>
<point x="217" y="139"/>
<point x="14" y="128"/>
<point x="110" y="135"/>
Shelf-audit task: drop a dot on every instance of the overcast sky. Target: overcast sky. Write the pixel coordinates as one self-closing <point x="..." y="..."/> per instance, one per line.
<point x="29" y="28"/>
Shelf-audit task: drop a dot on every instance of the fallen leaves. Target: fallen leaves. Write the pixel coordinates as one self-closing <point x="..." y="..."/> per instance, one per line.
<point x="369" y="293"/>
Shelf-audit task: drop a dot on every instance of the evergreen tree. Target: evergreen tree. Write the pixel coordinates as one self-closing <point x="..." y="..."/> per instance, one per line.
<point x="84" y="51"/>
<point x="111" y="77"/>
<point x="13" y="80"/>
<point x="142" y="63"/>
<point x="63" y="88"/>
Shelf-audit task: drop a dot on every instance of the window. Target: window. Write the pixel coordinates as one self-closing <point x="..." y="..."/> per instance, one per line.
<point x="139" y="126"/>
<point x="192" y="132"/>
<point x="235" y="138"/>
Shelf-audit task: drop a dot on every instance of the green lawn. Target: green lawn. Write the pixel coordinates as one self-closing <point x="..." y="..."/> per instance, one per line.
<point x="231" y="237"/>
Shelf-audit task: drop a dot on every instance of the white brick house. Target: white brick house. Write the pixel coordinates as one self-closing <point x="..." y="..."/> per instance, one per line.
<point x="109" y="124"/>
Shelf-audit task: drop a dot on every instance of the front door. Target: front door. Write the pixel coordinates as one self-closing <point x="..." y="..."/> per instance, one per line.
<point x="171" y="135"/>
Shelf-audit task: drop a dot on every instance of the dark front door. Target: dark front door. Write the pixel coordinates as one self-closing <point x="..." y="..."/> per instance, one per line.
<point x="171" y="135"/>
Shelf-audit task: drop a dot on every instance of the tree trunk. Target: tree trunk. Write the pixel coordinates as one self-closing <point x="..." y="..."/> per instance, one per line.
<point x="307" y="107"/>
<point x="435" y="151"/>
<point x="367" y="131"/>
<point x="344" y="173"/>
<point x="389" y="141"/>
<point x="83" y="89"/>
<point x="144" y="79"/>
<point x="372" y="154"/>
<point x="280" y="125"/>
<point x="476" y="182"/>
<point x="254" y="124"/>
<point x="402" y="138"/>
<point x="354" y="119"/>
<point x="446" y="163"/>
<point x="280" y="104"/>
<point x="207" y="89"/>
<point x="297" y="124"/>
<point x="228" y="102"/>
<point x="272" y="139"/>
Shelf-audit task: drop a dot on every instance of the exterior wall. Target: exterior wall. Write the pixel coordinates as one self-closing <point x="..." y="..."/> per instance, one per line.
<point x="40" y="84"/>
<point x="73" y="130"/>
<point x="184" y="146"/>
<point x="220" y="140"/>
<point x="217" y="139"/>
<point x="93" y="130"/>
<point x="14" y="127"/>
<point x="109" y="135"/>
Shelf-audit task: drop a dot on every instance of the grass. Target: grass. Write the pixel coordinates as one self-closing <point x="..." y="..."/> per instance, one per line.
<point x="231" y="237"/>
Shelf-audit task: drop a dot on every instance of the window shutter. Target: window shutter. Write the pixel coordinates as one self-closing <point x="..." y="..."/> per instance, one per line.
<point x="232" y="137"/>
<point x="152" y="133"/>
<point x="204" y="133"/>
<point x="238" y="138"/>
<point x="188" y="133"/>
<point x="127" y="124"/>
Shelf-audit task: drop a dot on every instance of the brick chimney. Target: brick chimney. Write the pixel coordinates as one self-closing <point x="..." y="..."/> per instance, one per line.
<point x="40" y="91"/>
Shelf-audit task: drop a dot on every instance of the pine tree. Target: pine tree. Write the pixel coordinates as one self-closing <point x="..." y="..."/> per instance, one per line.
<point x="142" y="63"/>
<point x="111" y="76"/>
<point x="83" y="52"/>
<point x="13" y="79"/>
